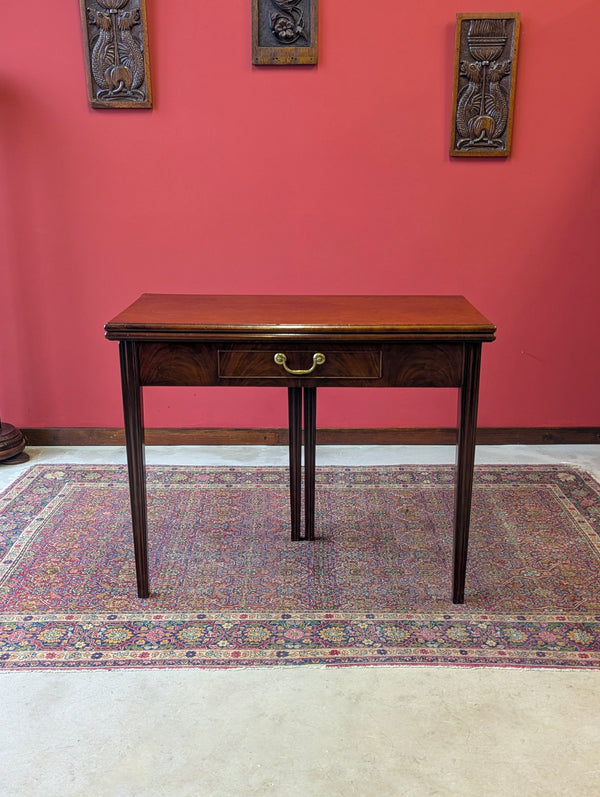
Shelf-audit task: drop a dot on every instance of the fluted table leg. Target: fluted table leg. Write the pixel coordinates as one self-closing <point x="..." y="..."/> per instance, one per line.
<point x="465" y="461"/>
<point x="134" y="438"/>
<point x="295" y="450"/>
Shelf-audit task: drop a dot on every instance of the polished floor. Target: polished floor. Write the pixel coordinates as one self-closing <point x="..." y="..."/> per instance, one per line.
<point x="305" y="731"/>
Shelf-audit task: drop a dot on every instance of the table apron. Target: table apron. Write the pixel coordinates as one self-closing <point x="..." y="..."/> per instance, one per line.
<point x="351" y="364"/>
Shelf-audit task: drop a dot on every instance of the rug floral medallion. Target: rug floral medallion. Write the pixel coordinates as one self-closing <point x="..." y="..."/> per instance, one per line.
<point x="229" y="588"/>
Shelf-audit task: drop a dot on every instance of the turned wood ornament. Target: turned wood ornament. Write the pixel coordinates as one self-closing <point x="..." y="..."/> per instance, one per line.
<point x="12" y="441"/>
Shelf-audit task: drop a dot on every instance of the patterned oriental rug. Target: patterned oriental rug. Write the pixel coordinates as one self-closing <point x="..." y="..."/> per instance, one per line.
<point x="230" y="589"/>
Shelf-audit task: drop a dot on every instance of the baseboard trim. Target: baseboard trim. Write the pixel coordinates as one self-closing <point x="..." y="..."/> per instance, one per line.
<point x="546" y="435"/>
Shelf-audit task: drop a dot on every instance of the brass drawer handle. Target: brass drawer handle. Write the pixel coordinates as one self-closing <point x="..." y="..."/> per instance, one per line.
<point x="318" y="359"/>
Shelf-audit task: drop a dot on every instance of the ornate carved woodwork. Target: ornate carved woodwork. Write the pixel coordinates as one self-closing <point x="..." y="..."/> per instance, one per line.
<point x="484" y="84"/>
<point x="284" y="32"/>
<point x="115" y="37"/>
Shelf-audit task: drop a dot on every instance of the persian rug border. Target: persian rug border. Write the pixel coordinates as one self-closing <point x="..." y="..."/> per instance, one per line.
<point x="107" y="640"/>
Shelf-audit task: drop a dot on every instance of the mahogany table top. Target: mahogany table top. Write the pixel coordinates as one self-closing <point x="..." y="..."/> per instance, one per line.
<point x="194" y="315"/>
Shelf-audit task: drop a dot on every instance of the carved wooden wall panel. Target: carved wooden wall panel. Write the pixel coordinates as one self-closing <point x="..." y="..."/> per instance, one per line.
<point x="115" y="36"/>
<point x="484" y="84"/>
<point x="284" y="32"/>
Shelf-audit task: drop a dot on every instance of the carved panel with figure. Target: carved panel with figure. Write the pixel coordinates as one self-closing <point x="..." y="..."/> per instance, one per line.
<point x="284" y="32"/>
<point x="484" y="84"/>
<point x="115" y="36"/>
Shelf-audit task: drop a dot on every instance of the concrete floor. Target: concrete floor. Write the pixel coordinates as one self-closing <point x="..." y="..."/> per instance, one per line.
<point x="305" y="731"/>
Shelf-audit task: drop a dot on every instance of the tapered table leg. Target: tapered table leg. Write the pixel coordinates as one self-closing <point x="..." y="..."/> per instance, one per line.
<point x="295" y="449"/>
<point x="465" y="460"/>
<point x="310" y="435"/>
<point x="134" y="438"/>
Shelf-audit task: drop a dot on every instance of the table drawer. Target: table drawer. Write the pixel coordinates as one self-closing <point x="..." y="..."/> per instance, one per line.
<point x="410" y="364"/>
<point x="315" y="363"/>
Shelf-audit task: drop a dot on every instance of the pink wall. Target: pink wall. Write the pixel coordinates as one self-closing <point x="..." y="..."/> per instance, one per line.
<point x="333" y="179"/>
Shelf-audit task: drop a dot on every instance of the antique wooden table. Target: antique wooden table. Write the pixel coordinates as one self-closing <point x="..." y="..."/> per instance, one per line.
<point x="301" y="343"/>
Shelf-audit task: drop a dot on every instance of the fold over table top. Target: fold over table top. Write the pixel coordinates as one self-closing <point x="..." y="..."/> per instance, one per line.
<point x="199" y="316"/>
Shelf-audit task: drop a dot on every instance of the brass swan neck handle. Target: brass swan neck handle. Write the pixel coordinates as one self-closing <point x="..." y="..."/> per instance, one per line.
<point x="281" y="359"/>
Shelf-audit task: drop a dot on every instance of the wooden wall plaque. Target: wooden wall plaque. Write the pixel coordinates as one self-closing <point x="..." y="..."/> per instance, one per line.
<point x="115" y="36"/>
<point x="484" y="84"/>
<point x="284" y="32"/>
